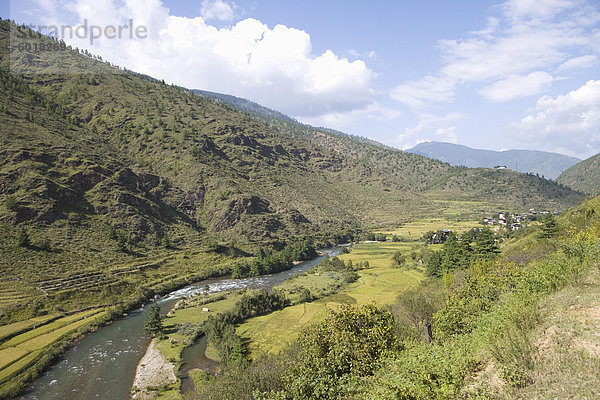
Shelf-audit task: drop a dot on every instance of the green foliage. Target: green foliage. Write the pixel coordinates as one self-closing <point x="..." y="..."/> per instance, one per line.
<point x="415" y="308"/>
<point x="349" y="345"/>
<point x="44" y="244"/>
<point x="483" y="285"/>
<point x="154" y="323"/>
<point x="399" y="258"/>
<point x="376" y="237"/>
<point x="422" y="372"/>
<point x="23" y="238"/>
<point x="269" y="262"/>
<point x="549" y="227"/>
<point x="485" y="244"/>
<point x="456" y="253"/>
<point x="11" y="203"/>
<point x="220" y="328"/>
<point x="512" y="352"/>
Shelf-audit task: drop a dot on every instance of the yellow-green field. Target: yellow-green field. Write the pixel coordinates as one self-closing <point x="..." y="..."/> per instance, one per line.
<point x="23" y="349"/>
<point x="415" y="230"/>
<point x="18" y="327"/>
<point x="379" y="284"/>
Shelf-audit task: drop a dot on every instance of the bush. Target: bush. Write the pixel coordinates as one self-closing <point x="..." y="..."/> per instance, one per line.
<point x="399" y="258"/>
<point x="11" y="203"/>
<point x="23" y="238"/>
<point x="348" y="345"/>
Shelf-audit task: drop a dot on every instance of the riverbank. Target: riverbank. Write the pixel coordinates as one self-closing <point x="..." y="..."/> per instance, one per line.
<point x="184" y="321"/>
<point x="153" y="373"/>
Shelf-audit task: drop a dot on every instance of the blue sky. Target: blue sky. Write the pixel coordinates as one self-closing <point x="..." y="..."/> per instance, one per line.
<point x="487" y="74"/>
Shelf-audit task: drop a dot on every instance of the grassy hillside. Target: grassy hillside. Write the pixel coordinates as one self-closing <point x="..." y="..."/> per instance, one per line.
<point x="583" y="177"/>
<point x="543" y="163"/>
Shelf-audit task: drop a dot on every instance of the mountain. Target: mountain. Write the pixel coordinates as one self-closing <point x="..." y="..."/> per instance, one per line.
<point x="245" y="105"/>
<point x="103" y="166"/>
<point x="584" y="176"/>
<point x="549" y="165"/>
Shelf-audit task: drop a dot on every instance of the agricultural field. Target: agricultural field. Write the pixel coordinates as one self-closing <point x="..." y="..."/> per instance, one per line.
<point x="25" y="297"/>
<point x="380" y="283"/>
<point x="22" y="344"/>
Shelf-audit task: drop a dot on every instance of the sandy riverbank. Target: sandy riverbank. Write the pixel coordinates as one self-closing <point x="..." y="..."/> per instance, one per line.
<point x="153" y="370"/>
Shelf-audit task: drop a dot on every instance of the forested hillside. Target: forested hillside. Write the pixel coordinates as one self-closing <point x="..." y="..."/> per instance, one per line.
<point x="87" y="144"/>
<point x="584" y="176"/>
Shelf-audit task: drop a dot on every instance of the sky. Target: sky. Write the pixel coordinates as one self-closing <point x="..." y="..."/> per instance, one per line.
<point x="487" y="74"/>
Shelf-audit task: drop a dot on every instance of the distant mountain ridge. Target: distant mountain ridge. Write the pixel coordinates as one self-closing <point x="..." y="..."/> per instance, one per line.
<point x="245" y="105"/>
<point x="584" y="176"/>
<point x="546" y="164"/>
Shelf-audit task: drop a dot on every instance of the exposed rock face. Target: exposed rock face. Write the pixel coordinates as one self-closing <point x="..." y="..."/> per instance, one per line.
<point x="252" y="205"/>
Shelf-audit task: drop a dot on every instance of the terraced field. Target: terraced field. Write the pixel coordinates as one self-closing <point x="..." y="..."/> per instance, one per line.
<point x="381" y="283"/>
<point x="23" y="343"/>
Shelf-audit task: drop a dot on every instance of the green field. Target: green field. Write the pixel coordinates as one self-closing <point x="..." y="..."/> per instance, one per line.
<point x="18" y="327"/>
<point x="415" y="230"/>
<point x="31" y="340"/>
<point x="379" y="284"/>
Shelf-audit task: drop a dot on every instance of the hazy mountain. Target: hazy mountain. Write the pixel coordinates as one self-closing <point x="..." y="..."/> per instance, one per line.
<point x="549" y="165"/>
<point x="584" y="176"/>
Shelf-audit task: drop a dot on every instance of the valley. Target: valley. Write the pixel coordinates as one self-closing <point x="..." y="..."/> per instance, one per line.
<point x="258" y="257"/>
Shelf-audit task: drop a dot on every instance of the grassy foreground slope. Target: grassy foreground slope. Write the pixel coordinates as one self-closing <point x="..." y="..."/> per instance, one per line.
<point x="584" y="176"/>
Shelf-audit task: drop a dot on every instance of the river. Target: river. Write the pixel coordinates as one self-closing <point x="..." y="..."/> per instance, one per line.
<point x="102" y="365"/>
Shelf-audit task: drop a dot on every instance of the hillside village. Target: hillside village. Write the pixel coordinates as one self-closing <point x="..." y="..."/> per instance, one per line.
<point x="515" y="221"/>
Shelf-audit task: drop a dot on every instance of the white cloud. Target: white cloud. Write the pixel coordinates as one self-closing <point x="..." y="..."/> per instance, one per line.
<point x="447" y="134"/>
<point x="416" y="94"/>
<point x="273" y="66"/>
<point x="217" y="10"/>
<point x="348" y="121"/>
<point x="569" y="123"/>
<point x="578" y="62"/>
<point x="529" y="38"/>
<point x="535" y="9"/>
<point x="428" y="125"/>
<point x="516" y="86"/>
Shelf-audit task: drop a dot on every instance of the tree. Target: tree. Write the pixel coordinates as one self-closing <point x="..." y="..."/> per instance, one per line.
<point x="549" y="227"/>
<point x="164" y="242"/>
<point x="456" y="253"/>
<point x="433" y="262"/>
<point x="399" y="258"/>
<point x="485" y="244"/>
<point x="23" y="238"/>
<point x="154" y="319"/>
<point x="11" y="203"/>
<point x="349" y="344"/>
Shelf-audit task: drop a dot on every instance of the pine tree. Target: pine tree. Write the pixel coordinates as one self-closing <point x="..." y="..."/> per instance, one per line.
<point x="23" y="238"/>
<point x="549" y="227"/>
<point x="153" y="323"/>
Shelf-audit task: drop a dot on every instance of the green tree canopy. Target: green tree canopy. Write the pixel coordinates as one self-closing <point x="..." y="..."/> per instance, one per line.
<point x="153" y="323"/>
